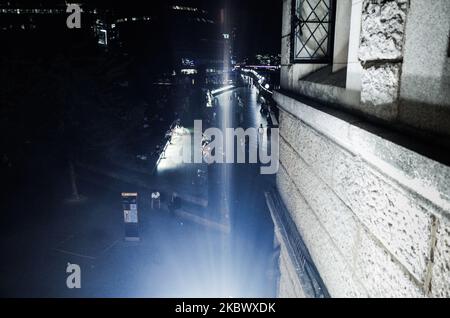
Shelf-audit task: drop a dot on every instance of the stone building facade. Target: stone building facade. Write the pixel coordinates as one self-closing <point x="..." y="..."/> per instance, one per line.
<point x="364" y="146"/>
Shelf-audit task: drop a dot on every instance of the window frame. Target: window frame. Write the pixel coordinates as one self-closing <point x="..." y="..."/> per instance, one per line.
<point x="331" y="34"/>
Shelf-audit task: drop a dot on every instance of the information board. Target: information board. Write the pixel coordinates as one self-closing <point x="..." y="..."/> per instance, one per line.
<point x="130" y="216"/>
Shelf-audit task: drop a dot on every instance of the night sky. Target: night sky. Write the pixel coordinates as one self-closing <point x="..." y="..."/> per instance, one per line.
<point x="257" y="22"/>
<point x="258" y="25"/>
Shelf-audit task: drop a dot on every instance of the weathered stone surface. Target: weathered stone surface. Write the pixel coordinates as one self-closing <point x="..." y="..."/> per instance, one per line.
<point x="400" y="220"/>
<point x="440" y="282"/>
<point x="336" y="129"/>
<point x="383" y="29"/>
<point x="332" y="213"/>
<point x="381" y="273"/>
<point x="394" y="194"/>
<point x="383" y="276"/>
<point x="413" y="171"/>
<point x="380" y="85"/>
<point x="424" y="93"/>
<point x="316" y="151"/>
<point x="329" y="93"/>
<point x="333" y="269"/>
<point x="422" y="175"/>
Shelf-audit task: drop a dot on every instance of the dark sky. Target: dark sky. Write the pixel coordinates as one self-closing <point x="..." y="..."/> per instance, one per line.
<point x="258" y="24"/>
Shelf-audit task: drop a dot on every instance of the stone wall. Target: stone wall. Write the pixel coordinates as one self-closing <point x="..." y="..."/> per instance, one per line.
<point x="383" y="30"/>
<point x="383" y="26"/>
<point x="425" y="77"/>
<point x="406" y="68"/>
<point x="398" y="66"/>
<point x="374" y="215"/>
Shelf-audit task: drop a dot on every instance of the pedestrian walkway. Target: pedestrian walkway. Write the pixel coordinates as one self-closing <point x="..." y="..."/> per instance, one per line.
<point x="250" y="245"/>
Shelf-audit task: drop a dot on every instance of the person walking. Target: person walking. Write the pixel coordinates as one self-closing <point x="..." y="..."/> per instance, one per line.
<point x="261" y="131"/>
<point x="156" y="200"/>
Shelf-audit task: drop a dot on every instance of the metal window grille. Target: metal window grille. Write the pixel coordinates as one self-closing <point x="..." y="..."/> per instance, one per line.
<point x="313" y="31"/>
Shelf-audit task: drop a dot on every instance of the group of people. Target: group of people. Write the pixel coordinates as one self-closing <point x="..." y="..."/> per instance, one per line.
<point x="173" y="204"/>
<point x="156" y="200"/>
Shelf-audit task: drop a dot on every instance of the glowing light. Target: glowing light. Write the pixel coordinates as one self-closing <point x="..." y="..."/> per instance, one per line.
<point x="188" y="71"/>
<point x="181" y="8"/>
<point x="103" y="40"/>
<point x="222" y="89"/>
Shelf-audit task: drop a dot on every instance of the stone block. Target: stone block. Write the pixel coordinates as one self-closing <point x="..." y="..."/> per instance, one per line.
<point x="337" y="219"/>
<point x="380" y="85"/>
<point x="422" y="175"/>
<point x="381" y="274"/>
<point x="440" y="281"/>
<point x="313" y="149"/>
<point x="386" y="276"/>
<point x="416" y="172"/>
<point x="399" y="218"/>
<point x="383" y="30"/>
<point x="425" y="79"/>
<point x="335" y="272"/>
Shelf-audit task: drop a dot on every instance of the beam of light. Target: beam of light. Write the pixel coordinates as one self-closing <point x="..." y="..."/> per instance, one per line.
<point x="222" y="89"/>
<point x="198" y="261"/>
<point x="193" y="266"/>
<point x="201" y="261"/>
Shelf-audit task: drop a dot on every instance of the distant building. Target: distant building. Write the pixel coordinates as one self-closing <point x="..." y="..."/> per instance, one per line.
<point x="198" y="42"/>
<point x="268" y="59"/>
<point x="21" y="16"/>
<point x="199" y="46"/>
<point x="195" y="41"/>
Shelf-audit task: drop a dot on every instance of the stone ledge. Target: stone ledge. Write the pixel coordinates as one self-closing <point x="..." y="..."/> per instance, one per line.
<point x="383" y="30"/>
<point x="417" y="173"/>
<point x="380" y="88"/>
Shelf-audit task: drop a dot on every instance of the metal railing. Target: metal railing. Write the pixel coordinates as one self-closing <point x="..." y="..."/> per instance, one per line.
<point x="307" y="273"/>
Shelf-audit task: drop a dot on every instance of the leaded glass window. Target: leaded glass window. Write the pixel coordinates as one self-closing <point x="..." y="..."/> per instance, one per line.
<point x="313" y="30"/>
